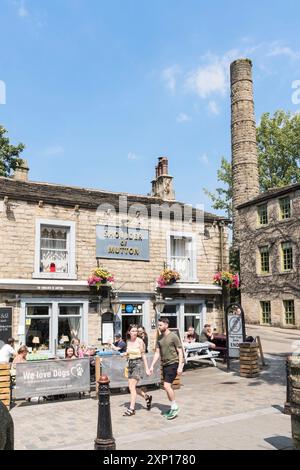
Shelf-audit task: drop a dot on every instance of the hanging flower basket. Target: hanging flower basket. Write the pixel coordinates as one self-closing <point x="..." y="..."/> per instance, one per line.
<point x="100" y="277"/>
<point x="167" y="277"/>
<point x="227" y="279"/>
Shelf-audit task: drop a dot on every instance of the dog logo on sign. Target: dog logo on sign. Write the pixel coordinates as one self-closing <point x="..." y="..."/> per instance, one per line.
<point x="77" y="371"/>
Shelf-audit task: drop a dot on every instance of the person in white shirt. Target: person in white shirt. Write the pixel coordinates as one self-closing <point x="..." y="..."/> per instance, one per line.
<point x="7" y="351"/>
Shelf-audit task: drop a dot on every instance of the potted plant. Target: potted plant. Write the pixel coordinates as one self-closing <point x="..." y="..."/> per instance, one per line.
<point x="100" y="277"/>
<point x="227" y="279"/>
<point x="168" y="277"/>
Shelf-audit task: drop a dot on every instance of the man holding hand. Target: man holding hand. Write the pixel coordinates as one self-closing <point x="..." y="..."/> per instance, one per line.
<point x="169" y="349"/>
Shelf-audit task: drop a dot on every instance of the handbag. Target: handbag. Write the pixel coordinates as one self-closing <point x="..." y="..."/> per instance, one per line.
<point x="126" y="372"/>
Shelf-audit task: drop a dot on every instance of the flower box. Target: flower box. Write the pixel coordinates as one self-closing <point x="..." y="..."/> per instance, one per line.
<point x="227" y="279"/>
<point x="100" y="277"/>
<point x="168" y="277"/>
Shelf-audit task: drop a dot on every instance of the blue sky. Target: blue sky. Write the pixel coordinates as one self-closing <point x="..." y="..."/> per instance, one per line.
<point x="97" y="90"/>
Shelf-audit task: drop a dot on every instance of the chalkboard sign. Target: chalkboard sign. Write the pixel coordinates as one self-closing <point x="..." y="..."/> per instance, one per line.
<point x="5" y="324"/>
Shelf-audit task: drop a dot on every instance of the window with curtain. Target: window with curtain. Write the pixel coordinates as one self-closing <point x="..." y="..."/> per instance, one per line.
<point x="69" y="324"/>
<point x="182" y="257"/>
<point x="54" y="249"/>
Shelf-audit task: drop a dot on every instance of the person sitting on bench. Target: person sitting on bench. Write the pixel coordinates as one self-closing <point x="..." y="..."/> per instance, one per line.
<point x="207" y="336"/>
<point x="191" y="336"/>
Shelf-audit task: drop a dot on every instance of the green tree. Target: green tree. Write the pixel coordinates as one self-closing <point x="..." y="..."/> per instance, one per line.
<point x="9" y="154"/>
<point x="278" y="141"/>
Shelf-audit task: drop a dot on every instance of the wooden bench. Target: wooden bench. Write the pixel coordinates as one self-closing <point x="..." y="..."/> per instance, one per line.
<point x="195" y="352"/>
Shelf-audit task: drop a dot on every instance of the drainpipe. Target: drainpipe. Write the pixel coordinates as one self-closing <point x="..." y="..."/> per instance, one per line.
<point x="221" y="237"/>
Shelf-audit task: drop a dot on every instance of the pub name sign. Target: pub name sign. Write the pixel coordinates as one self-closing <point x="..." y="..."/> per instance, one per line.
<point x="122" y="243"/>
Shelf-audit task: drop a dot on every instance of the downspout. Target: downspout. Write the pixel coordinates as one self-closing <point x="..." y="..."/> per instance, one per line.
<point x="221" y="238"/>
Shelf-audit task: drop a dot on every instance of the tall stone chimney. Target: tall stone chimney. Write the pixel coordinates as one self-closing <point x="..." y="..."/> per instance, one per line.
<point x="243" y="138"/>
<point x="162" y="186"/>
<point x="21" y="171"/>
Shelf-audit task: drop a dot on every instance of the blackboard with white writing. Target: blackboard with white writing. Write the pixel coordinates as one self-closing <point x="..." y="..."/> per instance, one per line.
<point x="5" y="324"/>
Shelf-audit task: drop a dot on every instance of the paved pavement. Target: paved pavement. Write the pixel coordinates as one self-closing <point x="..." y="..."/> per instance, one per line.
<point x="218" y="410"/>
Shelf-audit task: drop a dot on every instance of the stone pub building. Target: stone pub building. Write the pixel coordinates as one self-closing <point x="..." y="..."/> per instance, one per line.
<point x="53" y="236"/>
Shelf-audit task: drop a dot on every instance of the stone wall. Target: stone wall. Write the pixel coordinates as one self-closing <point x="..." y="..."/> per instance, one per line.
<point x="277" y="285"/>
<point x="17" y="245"/>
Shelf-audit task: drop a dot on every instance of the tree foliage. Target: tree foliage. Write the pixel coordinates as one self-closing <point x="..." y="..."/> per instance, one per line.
<point x="9" y="154"/>
<point x="278" y="141"/>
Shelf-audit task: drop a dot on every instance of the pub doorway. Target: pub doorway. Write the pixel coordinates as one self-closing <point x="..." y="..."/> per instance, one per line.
<point x="132" y="313"/>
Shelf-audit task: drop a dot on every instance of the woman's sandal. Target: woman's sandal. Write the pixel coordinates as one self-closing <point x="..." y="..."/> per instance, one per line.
<point x="129" y="412"/>
<point x="148" y="399"/>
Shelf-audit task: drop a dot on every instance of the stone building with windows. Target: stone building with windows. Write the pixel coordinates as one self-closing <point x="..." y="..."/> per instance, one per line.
<point x="53" y="236"/>
<point x="266" y="225"/>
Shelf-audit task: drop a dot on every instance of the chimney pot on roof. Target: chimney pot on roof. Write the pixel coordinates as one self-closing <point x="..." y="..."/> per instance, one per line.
<point x="21" y="171"/>
<point x="162" y="186"/>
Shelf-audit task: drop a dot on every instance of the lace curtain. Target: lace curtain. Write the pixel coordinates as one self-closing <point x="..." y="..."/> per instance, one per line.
<point x="54" y="249"/>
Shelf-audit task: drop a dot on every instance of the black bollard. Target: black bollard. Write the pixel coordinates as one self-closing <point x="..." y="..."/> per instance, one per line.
<point x="287" y="405"/>
<point x="104" y="439"/>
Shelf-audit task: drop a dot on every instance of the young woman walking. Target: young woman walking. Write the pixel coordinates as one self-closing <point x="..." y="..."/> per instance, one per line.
<point x="136" y="358"/>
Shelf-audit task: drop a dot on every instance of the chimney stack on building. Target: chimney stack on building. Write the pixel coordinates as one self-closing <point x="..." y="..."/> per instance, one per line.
<point x="243" y="138"/>
<point x="162" y="186"/>
<point x="21" y="171"/>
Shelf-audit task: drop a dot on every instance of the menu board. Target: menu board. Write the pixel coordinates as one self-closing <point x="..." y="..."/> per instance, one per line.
<point x="5" y="324"/>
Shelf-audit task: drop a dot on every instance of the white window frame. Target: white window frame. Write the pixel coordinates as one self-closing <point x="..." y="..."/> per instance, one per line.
<point x="180" y="313"/>
<point x="71" y="244"/>
<point x="192" y="236"/>
<point x="54" y="316"/>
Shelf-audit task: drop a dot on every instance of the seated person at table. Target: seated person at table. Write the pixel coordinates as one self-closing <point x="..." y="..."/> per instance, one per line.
<point x="7" y="352"/>
<point x="70" y="353"/>
<point x="20" y="357"/>
<point x="79" y="350"/>
<point x="191" y="336"/>
<point x="207" y="336"/>
<point x="119" y="344"/>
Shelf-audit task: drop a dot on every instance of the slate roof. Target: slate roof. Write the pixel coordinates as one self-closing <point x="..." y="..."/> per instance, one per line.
<point x="271" y="193"/>
<point x="69" y="196"/>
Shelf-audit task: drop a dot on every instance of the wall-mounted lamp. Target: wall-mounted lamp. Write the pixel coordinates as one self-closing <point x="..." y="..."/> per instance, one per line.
<point x="159" y="305"/>
<point x="115" y="305"/>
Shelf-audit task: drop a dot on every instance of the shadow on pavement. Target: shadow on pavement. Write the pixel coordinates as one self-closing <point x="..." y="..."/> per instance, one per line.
<point x="280" y="442"/>
<point x="273" y="373"/>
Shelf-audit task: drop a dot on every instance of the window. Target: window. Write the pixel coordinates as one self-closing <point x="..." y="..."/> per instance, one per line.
<point x="285" y="208"/>
<point x="51" y="325"/>
<point x="55" y="249"/>
<point x="266" y="312"/>
<point x="69" y="324"/>
<point x="37" y="327"/>
<point x="289" y="312"/>
<point x="264" y="259"/>
<point x="263" y="214"/>
<point x="287" y="256"/>
<point x="182" y="256"/>
<point x="192" y="317"/>
<point x="170" y="312"/>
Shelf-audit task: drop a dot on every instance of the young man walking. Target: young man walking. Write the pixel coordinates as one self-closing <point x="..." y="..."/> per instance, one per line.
<point x="169" y="349"/>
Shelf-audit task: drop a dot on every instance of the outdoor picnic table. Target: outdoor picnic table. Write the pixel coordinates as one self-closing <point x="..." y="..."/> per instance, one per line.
<point x="197" y="351"/>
